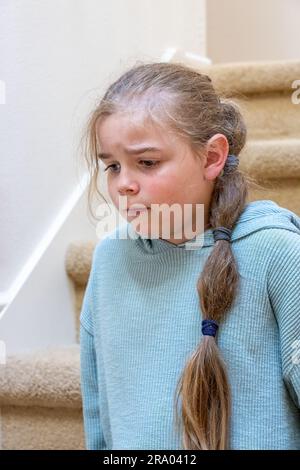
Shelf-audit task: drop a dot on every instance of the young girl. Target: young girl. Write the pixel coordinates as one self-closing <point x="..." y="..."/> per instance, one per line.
<point x="186" y="348"/>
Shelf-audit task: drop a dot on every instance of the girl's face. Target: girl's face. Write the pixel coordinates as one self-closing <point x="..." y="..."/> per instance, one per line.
<point x="167" y="173"/>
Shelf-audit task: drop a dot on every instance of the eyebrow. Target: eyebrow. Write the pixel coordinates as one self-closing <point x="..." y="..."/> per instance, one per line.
<point x="135" y="151"/>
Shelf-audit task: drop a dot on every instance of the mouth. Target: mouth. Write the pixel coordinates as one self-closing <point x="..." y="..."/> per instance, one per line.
<point x="137" y="210"/>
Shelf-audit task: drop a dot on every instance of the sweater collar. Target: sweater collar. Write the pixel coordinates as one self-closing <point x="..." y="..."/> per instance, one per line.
<point x="257" y="215"/>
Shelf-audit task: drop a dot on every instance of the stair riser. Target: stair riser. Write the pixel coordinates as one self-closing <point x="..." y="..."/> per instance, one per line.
<point x="39" y="428"/>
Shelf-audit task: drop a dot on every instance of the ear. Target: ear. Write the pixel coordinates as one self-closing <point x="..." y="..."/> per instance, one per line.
<point x="217" y="149"/>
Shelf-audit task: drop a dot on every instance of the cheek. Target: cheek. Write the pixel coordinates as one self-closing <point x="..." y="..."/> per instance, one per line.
<point x="165" y="184"/>
<point x="113" y="194"/>
<point x="192" y="185"/>
<point x="111" y="191"/>
<point x="161" y="188"/>
<point x="176" y="186"/>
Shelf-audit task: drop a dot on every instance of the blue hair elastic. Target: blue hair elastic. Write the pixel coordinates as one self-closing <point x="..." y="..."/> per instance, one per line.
<point x="231" y="164"/>
<point x="209" y="327"/>
<point x="222" y="233"/>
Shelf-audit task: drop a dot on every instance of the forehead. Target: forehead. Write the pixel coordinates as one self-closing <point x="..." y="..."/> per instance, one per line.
<point x="118" y="130"/>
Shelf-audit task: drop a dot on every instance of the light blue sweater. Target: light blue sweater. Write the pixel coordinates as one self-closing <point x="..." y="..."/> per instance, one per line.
<point x="140" y="322"/>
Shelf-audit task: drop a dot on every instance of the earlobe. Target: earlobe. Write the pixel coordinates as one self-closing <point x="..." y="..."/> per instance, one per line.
<point x="210" y="174"/>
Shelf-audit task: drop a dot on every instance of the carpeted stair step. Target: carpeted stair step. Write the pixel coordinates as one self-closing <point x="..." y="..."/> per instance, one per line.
<point x="264" y="92"/>
<point x="40" y="400"/>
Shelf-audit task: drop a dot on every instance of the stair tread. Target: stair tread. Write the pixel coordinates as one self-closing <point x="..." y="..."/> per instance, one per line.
<point x="271" y="159"/>
<point x="253" y="77"/>
<point x="47" y="378"/>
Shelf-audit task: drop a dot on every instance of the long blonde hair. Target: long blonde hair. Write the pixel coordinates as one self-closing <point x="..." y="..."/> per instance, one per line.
<point x="177" y="96"/>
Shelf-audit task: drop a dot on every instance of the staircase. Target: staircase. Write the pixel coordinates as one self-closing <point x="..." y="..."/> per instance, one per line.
<point x="272" y="153"/>
<point x="40" y="392"/>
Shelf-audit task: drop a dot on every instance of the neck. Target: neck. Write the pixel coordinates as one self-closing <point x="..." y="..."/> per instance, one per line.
<point x="196" y="231"/>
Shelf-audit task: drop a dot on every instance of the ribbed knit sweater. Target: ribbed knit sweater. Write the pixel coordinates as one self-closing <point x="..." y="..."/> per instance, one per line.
<point x="141" y="321"/>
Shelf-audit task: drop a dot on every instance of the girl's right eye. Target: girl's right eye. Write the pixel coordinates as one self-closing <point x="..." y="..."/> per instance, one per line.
<point x="110" y="166"/>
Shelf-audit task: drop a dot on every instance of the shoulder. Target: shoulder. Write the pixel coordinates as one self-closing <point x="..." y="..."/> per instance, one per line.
<point x="269" y="251"/>
<point x="270" y="242"/>
<point x="283" y="242"/>
<point x="268" y="225"/>
<point x="278" y="245"/>
<point x="283" y="254"/>
<point x="275" y="239"/>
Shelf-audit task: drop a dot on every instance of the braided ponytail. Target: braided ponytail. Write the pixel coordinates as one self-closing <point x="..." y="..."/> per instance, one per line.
<point x="204" y="386"/>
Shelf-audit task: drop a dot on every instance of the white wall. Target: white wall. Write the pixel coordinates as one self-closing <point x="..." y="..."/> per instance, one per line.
<point x="56" y="57"/>
<point x="42" y="313"/>
<point x="252" y="30"/>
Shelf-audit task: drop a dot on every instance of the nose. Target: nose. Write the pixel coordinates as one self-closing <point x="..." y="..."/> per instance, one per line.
<point x="127" y="185"/>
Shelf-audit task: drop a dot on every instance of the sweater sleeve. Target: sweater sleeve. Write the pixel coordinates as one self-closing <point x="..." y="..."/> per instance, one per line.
<point x="284" y="293"/>
<point x="94" y="438"/>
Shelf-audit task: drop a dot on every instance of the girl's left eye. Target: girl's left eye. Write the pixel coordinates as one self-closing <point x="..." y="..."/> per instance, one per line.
<point x="154" y="163"/>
